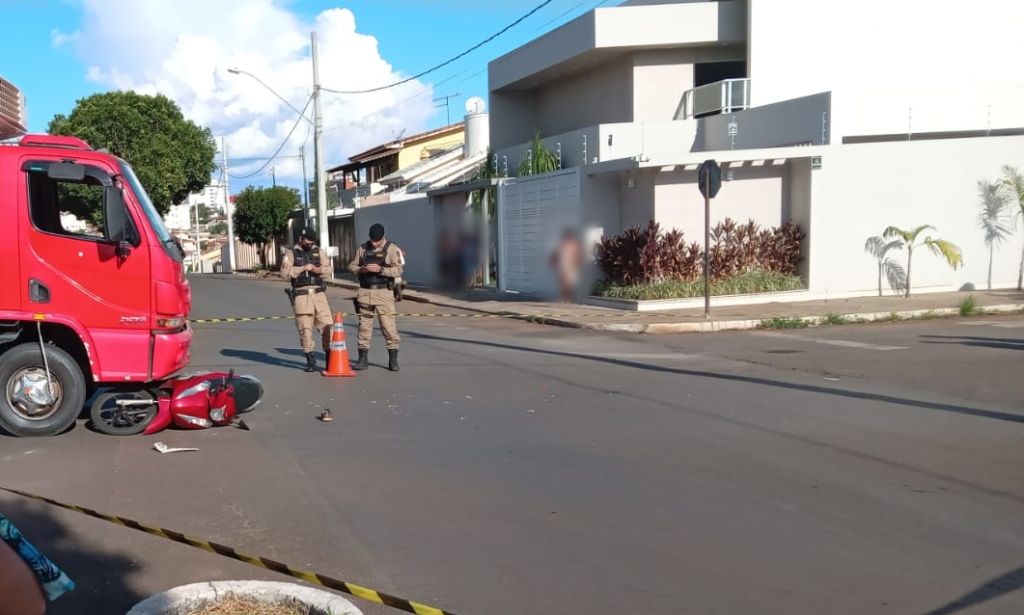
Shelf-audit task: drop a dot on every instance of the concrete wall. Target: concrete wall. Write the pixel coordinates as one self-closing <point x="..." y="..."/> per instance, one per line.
<point x="662" y="76"/>
<point x="798" y="209"/>
<point x="861" y="189"/>
<point x="410" y="224"/>
<point x="601" y="94"/>
<point x="685" y="23"/>
<point x="892" y="66"/>
<point x="636" y="194"/>
<point x="600" y="217"/>
<point x="757" y="193"/>
<point x="793" y="122"/>
<point x="513" y="118"/>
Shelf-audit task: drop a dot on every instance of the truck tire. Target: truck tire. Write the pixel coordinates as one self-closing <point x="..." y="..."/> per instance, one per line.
<point x="25" y="409"/>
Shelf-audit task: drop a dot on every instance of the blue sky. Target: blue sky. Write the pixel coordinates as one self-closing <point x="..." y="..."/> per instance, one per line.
<point x="57" y="51"/>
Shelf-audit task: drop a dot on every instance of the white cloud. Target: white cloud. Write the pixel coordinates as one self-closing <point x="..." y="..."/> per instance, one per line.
<point x="182" y="50"/>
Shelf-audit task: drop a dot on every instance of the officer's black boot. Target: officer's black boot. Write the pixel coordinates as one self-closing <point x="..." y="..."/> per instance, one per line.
<point x="310" y="362"/>
<point x="363" y="361"/>
<point x="393" y="360"/>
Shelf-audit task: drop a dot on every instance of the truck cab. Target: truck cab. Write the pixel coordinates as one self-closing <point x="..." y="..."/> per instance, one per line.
<point x="92" y="288"/>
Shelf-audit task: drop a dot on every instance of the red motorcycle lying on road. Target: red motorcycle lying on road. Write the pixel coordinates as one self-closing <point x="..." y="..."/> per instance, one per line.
<point x="196" y="401"/>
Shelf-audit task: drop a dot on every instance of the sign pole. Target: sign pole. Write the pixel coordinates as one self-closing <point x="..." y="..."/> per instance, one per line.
<point x="707" y="244"/>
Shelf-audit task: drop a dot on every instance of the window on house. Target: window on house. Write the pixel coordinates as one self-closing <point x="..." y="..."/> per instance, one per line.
<point x="65" y="207"/>
<point x="711" y="72"/>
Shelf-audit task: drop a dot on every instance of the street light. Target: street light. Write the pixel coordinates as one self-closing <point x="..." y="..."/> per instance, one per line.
<point x="300" y="113"/>
<point x="318" y="129"/>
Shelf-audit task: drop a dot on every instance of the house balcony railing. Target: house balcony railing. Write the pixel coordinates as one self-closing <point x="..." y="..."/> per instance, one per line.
<point x="719" y="97"/>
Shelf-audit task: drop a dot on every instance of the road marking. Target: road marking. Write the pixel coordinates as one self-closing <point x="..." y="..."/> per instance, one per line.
<point x="827" y="342"/>
<point x="1010" y="325"/>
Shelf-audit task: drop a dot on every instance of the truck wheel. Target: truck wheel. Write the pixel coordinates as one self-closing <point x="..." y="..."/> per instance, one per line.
<point x="26" y="407"/>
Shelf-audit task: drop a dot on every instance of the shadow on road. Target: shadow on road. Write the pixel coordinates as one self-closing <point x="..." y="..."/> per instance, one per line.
<point x="262" y="357"/>
<point x="780" y="384"/>
<point x="102" y="578"/>
<point x="977" y="342"/>
<point x="996" y="588"/>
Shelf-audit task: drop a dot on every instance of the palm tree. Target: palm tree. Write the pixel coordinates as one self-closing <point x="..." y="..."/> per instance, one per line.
<point x="991" y="219"/>
<point x="888" y="267"/>
<point x="1013" y="187"/>
<point x="941" y="247"/>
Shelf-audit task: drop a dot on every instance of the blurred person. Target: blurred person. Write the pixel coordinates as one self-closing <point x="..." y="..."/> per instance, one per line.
<point x="28" y="579"/>
<point x="567" y="261"/>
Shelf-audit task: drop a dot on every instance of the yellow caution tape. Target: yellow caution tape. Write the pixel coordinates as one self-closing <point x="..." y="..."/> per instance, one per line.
<point x="351" y="589"/>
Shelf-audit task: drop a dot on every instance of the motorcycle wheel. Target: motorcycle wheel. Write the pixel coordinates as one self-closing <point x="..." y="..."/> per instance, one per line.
<point x="114" y="420"/>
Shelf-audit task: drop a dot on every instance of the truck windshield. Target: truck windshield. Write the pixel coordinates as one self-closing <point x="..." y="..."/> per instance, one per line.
<point x="170" y="245"/>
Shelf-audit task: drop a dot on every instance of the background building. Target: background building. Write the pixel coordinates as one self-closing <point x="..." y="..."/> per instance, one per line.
<point x="13" y="118"/>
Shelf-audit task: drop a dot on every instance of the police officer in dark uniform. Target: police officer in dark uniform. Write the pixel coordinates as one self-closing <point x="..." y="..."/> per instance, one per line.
<point x="306" y="266"/>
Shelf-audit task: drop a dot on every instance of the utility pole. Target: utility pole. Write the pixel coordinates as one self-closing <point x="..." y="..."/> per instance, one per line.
<point x="318" y="134"/>
<point x="198" y="253"/>
<point x="305" y="188"/>
<point x="273" y="176"/>
<point x="227" y="206"/>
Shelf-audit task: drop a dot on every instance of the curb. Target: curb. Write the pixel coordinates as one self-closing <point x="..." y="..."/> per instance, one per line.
<point x="697" y="326"/>
<point x="186" y="598"/>
<point x="812" y="321"/>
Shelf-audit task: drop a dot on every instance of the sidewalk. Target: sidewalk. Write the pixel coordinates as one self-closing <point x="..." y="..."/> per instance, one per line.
<point x="726" y="318"/>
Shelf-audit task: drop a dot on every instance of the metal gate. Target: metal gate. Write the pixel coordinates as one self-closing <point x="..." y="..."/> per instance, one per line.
<point x="532" y="214"/>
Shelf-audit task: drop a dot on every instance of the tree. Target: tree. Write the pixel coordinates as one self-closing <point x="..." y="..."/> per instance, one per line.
<point x="218" y="228"/>
<point x="539" y="159"/>
<point x="888" y="267"/>
<point x="1013" y="187"/>
<point x="261" y="213"/>
<point x="204" y="213"/>
<point x="992" y="219"/>
<point x="172" y="156"/>
<point x="940" y="247"/>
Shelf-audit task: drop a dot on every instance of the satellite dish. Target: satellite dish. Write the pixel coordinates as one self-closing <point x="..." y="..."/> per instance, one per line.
<point x="475" y="105"/>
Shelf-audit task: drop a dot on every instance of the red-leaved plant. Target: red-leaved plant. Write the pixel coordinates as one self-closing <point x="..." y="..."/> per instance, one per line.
<point x="646" y="255"/>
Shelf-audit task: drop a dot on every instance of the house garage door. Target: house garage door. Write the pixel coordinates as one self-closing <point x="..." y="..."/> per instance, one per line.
<point x="532" y="213"/>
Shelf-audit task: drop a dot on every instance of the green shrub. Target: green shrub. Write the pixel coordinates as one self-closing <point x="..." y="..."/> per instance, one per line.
<point x="783" y="323"/>
<point x="748" y="283"/>
<point x="835" y="319"/>
<point x="968" y="306"/>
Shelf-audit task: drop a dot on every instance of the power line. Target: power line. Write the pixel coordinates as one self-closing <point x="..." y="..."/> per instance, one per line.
<point x="421" y="94"/>
<point x="301" y="117"/>
<point x="448" y="61"/>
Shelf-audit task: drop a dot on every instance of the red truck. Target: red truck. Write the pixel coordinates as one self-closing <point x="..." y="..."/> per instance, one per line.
<point x="99" y="301"/>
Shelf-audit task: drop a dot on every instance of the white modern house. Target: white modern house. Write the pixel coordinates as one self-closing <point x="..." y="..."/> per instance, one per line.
<point x="843" y="116"/>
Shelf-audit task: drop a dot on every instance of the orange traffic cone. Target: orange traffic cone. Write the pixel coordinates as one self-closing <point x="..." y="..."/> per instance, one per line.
<point x="337" y="357"/>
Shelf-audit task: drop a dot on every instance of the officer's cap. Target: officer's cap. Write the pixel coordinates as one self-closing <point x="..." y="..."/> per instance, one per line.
<point x="377" y="232"/>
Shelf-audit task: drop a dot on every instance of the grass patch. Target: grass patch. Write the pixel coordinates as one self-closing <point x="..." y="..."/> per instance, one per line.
<point x="968" y="306"/>
<point x="239" y="605"/>
<point x="783" y="323"/>
<point x="835" y="319"/>
<point x="749" y="283"/>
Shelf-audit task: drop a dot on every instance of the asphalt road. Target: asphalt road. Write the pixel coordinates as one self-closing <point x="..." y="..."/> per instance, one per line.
<point x="516" y="468"/>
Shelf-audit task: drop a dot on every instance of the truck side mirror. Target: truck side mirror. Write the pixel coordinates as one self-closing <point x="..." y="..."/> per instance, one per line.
<point x="115" y="215"/>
